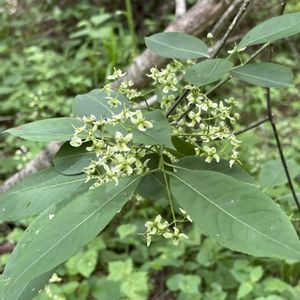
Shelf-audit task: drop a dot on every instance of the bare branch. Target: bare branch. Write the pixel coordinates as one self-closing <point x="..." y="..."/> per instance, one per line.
<point x="230" y="11"/>
<point x="232" y="26"/>
<point x="252" y="126"/>
<point x="274" y="127"/>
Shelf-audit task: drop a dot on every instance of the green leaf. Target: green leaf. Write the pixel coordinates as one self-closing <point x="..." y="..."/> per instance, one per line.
<point x="96" y="103"/>
<point x="29" y="290"/>
<point x="186" y="283"/>
<point x="239" y="216"/>
<point x="275" y="285"/>
<point x="273" y="29"/>
<point x="199" y="163"/>
<point x="70" y="160"/>
<point x="256" y="274"/>
<point x="208" y="252"/>
<point x="62" y="230"/>
<point x="265" y="75"/>
<point x="152" y="186"/>
<point x="37" y="192"/>
<point x="272" y="173"/>
<point x="159" y="134"/>
<point x="119" y="270"/>
<point x="126" y="230"/>
<point x="189" y="296"/>
<point x="182" y="146"/>
<point x="135" y="286"/>
<point x="103" y="289"/>
<point x="56" y="129"/>
<point x="207" y="71"/>
<point x="84" y="263"/>
<point x="176" y="45"/>
<point x="244" y="289"/>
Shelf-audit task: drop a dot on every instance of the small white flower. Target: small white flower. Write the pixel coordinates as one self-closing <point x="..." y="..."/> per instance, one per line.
<point x="76" y="141"/>
<point x="195" y="118"/>
<point x="116" y="75"/>
<point x="122" y="141"/>
<point x="210" y="36"/>
<point x="113" y="102"/>
<point x="140" y="121"/>
<point x="211" y="153"/>
<point x="51" y="216"/>
<point x="184" y="213"/>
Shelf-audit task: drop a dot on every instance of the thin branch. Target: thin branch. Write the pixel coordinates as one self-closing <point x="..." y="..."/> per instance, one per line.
<point x="256" y="53"/>
<point x="252" y="126"/>
<point x="177" y="102"/>
<point x="6" y="247"/>
<point x="232" y="26"/>
<point x="279" y="147"/>
<point x="282" y="7"/>
<point x="227" y="15"/>
<point x="274" y="128"/>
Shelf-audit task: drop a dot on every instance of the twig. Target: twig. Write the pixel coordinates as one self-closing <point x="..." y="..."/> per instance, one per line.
<point x="256" y="53"/>
<point x="279" y="147"/>
<point x="274" y="128"/>
<point x="233" y="24"/>
<point x="282" y="7"/>
<point x="177" y="102"/>
<point x="252" y="126"/>
<point x="227" y="15"/>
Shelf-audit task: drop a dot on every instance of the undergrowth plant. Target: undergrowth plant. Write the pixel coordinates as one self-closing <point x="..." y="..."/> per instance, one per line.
<point x="117" y="148"/>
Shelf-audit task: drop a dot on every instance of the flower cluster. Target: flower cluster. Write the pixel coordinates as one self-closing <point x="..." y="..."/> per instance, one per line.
<point x="116" y="156"/>
<point x="204" y="123"/>
<point x="167" y="81"/>
<point x="207" y="124"/>
<point x="159" y="227"/>
<point x="125" y="88"/>
<point x="112" y="141"/>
